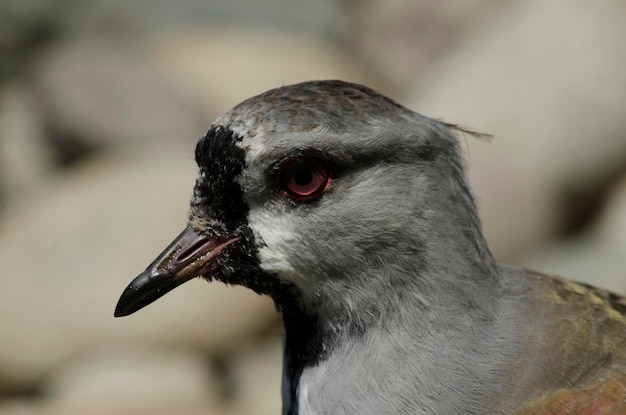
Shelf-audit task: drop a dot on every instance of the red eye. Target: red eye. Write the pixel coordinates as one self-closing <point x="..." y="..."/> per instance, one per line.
<point x="304" y="178"/>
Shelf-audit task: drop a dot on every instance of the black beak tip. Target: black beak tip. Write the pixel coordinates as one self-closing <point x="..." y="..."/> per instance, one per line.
<point x="127" y="303"/>
<point x="140" y="292"/>
<point x="145" y="289"/>
<point x="120" y="312"/>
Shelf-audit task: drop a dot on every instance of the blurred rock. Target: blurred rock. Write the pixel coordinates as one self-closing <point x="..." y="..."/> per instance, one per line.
<point x="98" y="92"/>
<point x="24" y="157"/>
<point x="68" y="252"/>
<point x="163" y="16"/>
<point x="132" y="377"/>
<point x="24" y="27"/>
<point x="596" y="257"/>
<point x="221" y="67"/>
<point x="258" y="373"/>
<point x="29" y="408"/>
<point x="22" y="407"/>
<point x="546" y="79"/>
<point x="613" y="224"/>
<point x="399" y="38"/>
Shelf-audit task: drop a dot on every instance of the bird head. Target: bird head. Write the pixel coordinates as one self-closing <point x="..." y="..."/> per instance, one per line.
<point x="320" y="194"/>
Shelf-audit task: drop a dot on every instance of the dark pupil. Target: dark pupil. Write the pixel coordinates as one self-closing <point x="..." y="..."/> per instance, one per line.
<point x="303" y="176"/>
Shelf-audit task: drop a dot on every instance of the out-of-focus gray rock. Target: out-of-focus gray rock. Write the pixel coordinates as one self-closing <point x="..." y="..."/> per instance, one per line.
<point x="22" y="407"/>
<point x="26" y="407"/>
<point x="400" y="38"/>
<point x="100" y="92"/>
<point x="132" y="377"/>
<point x="222" y="67"/>
<point x="546" y="79"/>
<point x="596" y="257"/>
<point x="68" y="252"/>
<point x="24" y="156"/>
<point x="163" y="15"/>
<point x="24" y="26"/>
<point x="257" y="373"/>
<point x="613" y="223"/>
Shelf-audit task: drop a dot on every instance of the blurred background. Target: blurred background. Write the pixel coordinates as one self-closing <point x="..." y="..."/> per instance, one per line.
<point x="101" y="103"/>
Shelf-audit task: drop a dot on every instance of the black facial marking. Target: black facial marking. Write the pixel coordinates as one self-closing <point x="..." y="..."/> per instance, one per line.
<point x="217" y="194"/>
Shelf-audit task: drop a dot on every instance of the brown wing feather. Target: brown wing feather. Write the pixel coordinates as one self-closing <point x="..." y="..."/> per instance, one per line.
<point x="605" y="398"/>
<point x="582" y="350"/>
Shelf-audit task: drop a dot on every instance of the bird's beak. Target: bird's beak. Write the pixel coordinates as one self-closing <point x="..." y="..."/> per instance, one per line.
<point x="190" y="255"/>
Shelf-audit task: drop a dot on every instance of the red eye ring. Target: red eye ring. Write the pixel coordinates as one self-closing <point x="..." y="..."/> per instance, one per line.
<point x="304" y="178"/>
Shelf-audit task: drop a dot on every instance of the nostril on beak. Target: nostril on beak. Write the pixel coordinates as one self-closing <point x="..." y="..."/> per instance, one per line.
<point x="188" y="254"/>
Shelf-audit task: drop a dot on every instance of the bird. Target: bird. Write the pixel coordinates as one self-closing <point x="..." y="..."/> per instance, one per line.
<point x="354" y="214"/>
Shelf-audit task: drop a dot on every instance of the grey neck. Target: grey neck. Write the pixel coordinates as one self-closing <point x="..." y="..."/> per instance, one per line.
<point x="436" y="357"/>
<point x="443" y="315"/>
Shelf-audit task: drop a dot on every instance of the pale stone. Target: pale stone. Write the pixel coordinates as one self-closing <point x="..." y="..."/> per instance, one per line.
<point x="222" y="67"/>
<point x="258" y="373"/>
<point x="25" y="156"/>
<point x="132" y="377"/>
<point x="547" y="79"/>
<point x="597" y="256"/>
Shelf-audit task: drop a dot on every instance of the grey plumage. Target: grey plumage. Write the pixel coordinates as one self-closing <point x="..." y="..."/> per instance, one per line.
<point x="392" y="302"/>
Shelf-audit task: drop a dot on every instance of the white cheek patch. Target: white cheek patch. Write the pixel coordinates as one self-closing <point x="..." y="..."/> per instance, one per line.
<point x="274" y="236"/>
